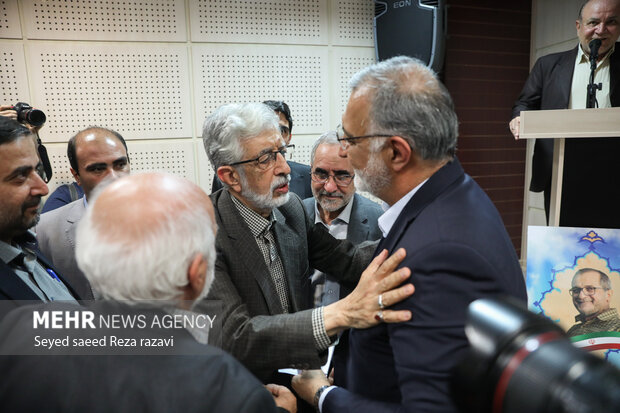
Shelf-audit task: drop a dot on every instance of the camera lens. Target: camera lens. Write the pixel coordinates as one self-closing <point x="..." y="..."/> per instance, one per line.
<point x="35" y="117"/>
<point x="522" y="362"/>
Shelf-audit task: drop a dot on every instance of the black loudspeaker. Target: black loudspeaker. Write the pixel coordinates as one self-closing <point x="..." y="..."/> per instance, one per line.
<point x="415" y="28"/>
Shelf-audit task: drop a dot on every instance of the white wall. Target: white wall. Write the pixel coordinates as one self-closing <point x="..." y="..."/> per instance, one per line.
<point x="153" y="70"/>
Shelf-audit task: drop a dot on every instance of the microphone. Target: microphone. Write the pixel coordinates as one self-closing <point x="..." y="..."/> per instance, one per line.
<point x="594" y="45"/>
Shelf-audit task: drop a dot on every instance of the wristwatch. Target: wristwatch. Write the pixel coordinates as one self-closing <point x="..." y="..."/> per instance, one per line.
<point x="317" y="396"/>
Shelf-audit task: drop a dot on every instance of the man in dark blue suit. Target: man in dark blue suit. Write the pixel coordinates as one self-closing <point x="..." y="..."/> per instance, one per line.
<point x="400" y="132"/>
<point x="24" y="273"/>
<point x="300" y="173"/>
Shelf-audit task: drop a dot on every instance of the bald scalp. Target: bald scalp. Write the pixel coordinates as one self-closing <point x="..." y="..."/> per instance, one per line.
<point x="143" y="203"/>
<point x="146" y="236"/>
<point x="615" y="3"/>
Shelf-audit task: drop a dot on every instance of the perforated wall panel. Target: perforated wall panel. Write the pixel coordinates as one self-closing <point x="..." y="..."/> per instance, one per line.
<point x="347" y="62"/>
<point x="13" y="77"/>
<point x="10" y="26"/>
<point x="176" y="158"/>
<point x="140" y="90"/>
<point x="259" y="21"/>
<point x="57" y="153"/>
<point x="352" y="22"/>
<point x="122" y="20"/>
<point x="240" y="73"/>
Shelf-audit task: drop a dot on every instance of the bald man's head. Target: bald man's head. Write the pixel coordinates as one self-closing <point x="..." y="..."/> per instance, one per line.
<point x="141" y="236"/>
<point x="96" y="154"/>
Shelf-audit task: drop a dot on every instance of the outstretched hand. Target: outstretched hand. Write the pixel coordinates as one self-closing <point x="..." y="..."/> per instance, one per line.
<point x="361" y="309"/>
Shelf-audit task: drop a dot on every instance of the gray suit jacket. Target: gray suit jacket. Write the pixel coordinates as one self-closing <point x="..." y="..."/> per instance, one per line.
<point x="362" y="224"/>
<point x="56" y="237"/>
<point x="255" y="330"/>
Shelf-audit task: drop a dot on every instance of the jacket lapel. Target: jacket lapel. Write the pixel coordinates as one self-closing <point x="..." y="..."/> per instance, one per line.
<point x="290" y="254"/>
<point x="357" y="230"/>
<point x="614" y="69"/>
<point x="75" y="214"/>
<point x="243" y="241"/>
<point x="13" y="286"/>
<point x="449" y="174"/>
<point x="563" y="75"/>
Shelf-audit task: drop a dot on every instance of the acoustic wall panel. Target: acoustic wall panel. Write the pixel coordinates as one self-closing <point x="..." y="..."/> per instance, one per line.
<point x="120" y="20"/>
<point x="57" y="152"/>
<point x="259" y="21"/>
<point x="176" y="158"/>
<point x="10" y="27"/>
<point x="13" y="75"/>
<point x="347" y="62"/>
<point x="243" y="73"/>
<point x="352" y="22"/>
<point x="140" y="90"/>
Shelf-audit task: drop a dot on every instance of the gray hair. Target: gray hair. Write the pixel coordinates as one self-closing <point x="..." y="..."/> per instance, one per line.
<point x="148" y="261"/>
<point x="225" y="129"/>
<point x="408" y="100"/>
<point x="605" y="281"/>
<point x="328" y="138"/>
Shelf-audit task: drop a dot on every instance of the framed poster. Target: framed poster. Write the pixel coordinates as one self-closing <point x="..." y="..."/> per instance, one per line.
<point x="573" y="278"/>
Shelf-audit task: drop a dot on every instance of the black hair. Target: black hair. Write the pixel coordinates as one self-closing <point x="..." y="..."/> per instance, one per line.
<point x="71" y="145"/>
<point x="11" y="130"/>
<point x="279" y="106"/>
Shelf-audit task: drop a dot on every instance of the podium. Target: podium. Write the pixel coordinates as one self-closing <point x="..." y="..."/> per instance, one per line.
<point x="591" y="162"/>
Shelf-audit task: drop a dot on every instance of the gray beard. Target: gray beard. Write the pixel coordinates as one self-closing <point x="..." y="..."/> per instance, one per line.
<point x="374" y="178"/>
<point x="264" y="201"/>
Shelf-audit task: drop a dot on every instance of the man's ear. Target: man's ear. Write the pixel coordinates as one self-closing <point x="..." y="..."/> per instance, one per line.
<point x="196" y="274"/>
<point x="75" y="176"/>
<point x="400" y="152"/>
<point x="230" y="177"/>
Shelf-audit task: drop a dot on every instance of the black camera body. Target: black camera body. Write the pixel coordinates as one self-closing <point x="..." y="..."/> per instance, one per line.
<point x="28" y="114"/>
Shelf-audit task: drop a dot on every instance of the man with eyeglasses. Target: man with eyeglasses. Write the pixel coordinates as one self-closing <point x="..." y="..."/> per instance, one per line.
<point x="299" y="177"/>
<point x="25" y="274"/>
<point x="591" y="292"/>
<point x="346" y="215"/>
<point x="266" y="247"/>
<point x="399" y="131"/>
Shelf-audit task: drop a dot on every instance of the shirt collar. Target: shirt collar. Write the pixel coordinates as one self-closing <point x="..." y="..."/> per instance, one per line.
<point x="257" y="223"/>
<point x="344" y="216"/>
<point x="606" y="315"/>
<point x="583" y="58"/>
<point x="8" y="252"/>
<point x="387" y="220"/>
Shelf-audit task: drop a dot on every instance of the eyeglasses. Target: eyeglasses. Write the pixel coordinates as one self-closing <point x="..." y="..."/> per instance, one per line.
<point x="285" y="131"/>
<point x="344" y="138"/>
<point x="342" y="179"/>
<point x="589" y="290"/>
<point x="268" y="159"/>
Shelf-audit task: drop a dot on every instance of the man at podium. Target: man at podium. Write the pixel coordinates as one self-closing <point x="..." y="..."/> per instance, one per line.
<point x="560" y="81"/>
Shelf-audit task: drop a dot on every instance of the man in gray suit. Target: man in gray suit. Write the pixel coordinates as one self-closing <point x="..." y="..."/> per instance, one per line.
<point x="335" y="205"/>
<point x="346" y="215"/>
<point x="95" y="154"/>
<point x="266" y="246"/>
